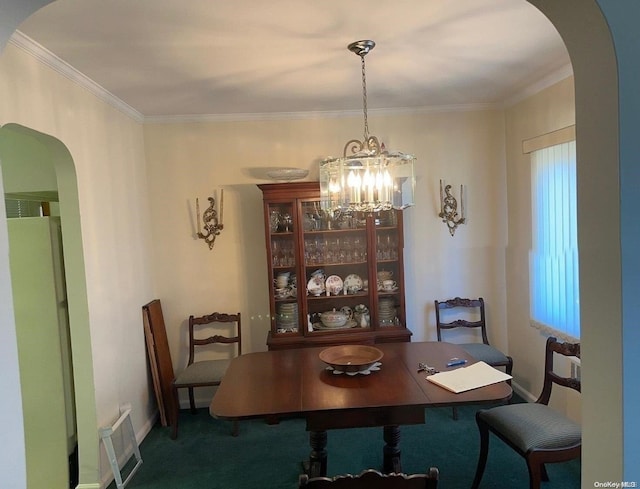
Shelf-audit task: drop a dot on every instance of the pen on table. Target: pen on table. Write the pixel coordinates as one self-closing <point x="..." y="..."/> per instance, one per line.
<point x="456" y="361"/>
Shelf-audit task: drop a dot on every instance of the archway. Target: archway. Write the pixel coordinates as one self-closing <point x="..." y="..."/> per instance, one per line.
<point x="20" y="143"/>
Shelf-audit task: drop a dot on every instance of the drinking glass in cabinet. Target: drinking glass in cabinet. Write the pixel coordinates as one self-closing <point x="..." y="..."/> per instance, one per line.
<point x="280" y="220"/>
<point x="282" y="253"/>
<point x="274" y="220"/>
<point x="386" y="247"/>
<point x="286" y="223"/>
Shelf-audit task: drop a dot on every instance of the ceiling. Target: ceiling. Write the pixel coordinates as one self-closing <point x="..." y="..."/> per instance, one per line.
<point x="202" y="57"/>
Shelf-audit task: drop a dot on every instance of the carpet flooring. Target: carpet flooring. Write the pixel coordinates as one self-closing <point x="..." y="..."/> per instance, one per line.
<point x="206" y="456"/>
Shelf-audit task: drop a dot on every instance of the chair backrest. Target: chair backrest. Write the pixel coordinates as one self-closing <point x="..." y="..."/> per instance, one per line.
<point x="234" y="336"/>
<point x="550" y="376"/>
<point x="464" y="307"/>
<point x="372" y="479"/>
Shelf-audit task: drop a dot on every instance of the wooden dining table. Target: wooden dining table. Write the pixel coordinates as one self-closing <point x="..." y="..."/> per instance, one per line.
<point x="275" y="384"/>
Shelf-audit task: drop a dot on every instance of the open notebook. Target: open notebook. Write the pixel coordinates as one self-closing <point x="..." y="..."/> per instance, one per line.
<point x="467" y="378"/>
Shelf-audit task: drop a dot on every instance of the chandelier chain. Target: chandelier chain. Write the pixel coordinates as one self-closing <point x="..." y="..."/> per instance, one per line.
<point x="364" y="100"/>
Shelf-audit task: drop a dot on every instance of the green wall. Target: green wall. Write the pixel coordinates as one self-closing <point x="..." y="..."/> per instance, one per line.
<point x="35" y="302"/>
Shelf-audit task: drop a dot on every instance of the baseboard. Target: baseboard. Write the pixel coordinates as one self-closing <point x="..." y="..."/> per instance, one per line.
<point x="200" y="403"/>
<point x="88" y="486"/>
<point x="202" y="397"/>
<point x="522" y="392"/>
<point x="141" y="434"/>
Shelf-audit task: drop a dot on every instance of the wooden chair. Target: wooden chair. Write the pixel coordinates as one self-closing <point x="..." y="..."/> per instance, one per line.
<point x="534" y="430"/>
<point x="206" y="373"/>
<point x="372" y="479"/>
<point x="463" y="309"/>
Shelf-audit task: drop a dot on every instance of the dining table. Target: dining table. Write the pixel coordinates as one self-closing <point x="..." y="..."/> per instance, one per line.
<point x="296" y="382"/>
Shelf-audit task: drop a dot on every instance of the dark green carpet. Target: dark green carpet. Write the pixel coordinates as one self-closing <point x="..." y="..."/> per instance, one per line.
<point x="206" y="456"/>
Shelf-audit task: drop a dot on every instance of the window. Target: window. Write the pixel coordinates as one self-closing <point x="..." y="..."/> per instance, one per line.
<point x="553" y="263"/>
<point x="23" y="208"/>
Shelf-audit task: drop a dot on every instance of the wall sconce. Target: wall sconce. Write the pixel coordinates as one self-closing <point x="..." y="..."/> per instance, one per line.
<point x="212" y="223"/>
<point x="449" y="208"/>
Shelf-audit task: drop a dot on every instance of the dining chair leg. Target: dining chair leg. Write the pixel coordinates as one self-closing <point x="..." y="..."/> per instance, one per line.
<point x="175" y="412"/>
<point x="192" y="401"/>
<point x="454" y="413"/>
<point x="235" y="428"/>
<point x="535" y="473"/>
<point x="508" y="369"/>
<point x="543" y="473"/>
<point x="484" y="451"/>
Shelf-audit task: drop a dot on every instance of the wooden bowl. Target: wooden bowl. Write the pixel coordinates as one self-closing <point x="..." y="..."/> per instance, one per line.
<point x="350" y="358"/>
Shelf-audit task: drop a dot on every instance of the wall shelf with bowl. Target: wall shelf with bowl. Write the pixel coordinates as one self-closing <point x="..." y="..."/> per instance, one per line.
<point x="340" y="259"/>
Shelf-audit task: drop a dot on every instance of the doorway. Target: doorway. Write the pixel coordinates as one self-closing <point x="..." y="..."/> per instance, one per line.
<point x="39" y="185"/>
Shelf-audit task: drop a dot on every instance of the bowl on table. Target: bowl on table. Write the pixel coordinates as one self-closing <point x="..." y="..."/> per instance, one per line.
<point x="351" y="358"/>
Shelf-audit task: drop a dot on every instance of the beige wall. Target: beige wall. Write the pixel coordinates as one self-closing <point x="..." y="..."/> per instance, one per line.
<point x="549" y="110"/>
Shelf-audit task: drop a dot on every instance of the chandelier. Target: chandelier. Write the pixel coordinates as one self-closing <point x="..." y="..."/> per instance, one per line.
<point x="368" y="177"/>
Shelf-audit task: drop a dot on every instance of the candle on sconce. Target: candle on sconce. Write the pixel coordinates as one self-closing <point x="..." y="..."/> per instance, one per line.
<point x="461" y="202"/>
<point x="221" y="204"/>
<point x="441" y="198"/>
<point x="198" y="213"/>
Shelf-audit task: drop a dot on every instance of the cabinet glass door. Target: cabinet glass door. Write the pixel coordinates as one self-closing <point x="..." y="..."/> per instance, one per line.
<point x="389" y="272"/>
<point x="282" y="250"/>
<point x="336" y="281"/>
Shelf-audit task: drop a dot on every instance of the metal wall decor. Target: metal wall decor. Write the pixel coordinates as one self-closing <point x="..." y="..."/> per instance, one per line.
<point x="212" y="220"/>
<point x="449" y="208"/>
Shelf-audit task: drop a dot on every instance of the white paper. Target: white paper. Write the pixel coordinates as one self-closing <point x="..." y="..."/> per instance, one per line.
<point x="470" y="377"/>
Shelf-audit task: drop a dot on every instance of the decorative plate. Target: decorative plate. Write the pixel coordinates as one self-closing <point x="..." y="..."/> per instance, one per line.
<point x="373" y="368"/>
<point x="334" y="284"/>
<point x="353" y="282"/>
<point x="287" y="174"/>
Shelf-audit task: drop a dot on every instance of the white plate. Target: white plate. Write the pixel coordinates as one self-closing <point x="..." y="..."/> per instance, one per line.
<point x="334" y="284"/>
<point x="374" y="368"/>
<point x="287" y="174"/>
<point x="353" y="282"/>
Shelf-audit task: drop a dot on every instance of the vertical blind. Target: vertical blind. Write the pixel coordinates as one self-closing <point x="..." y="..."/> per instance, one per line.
<point x="554" y="291"/>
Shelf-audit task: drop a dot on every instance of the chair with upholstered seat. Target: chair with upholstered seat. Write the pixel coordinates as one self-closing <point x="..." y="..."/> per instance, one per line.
<point x="372" y="479"/>
<point x="536" y="431"/>
<point x="470" y="314"/>
<point x="208" y="372"/>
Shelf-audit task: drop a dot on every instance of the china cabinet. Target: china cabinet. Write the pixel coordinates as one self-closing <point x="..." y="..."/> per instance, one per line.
<point x="334" y="277"/>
